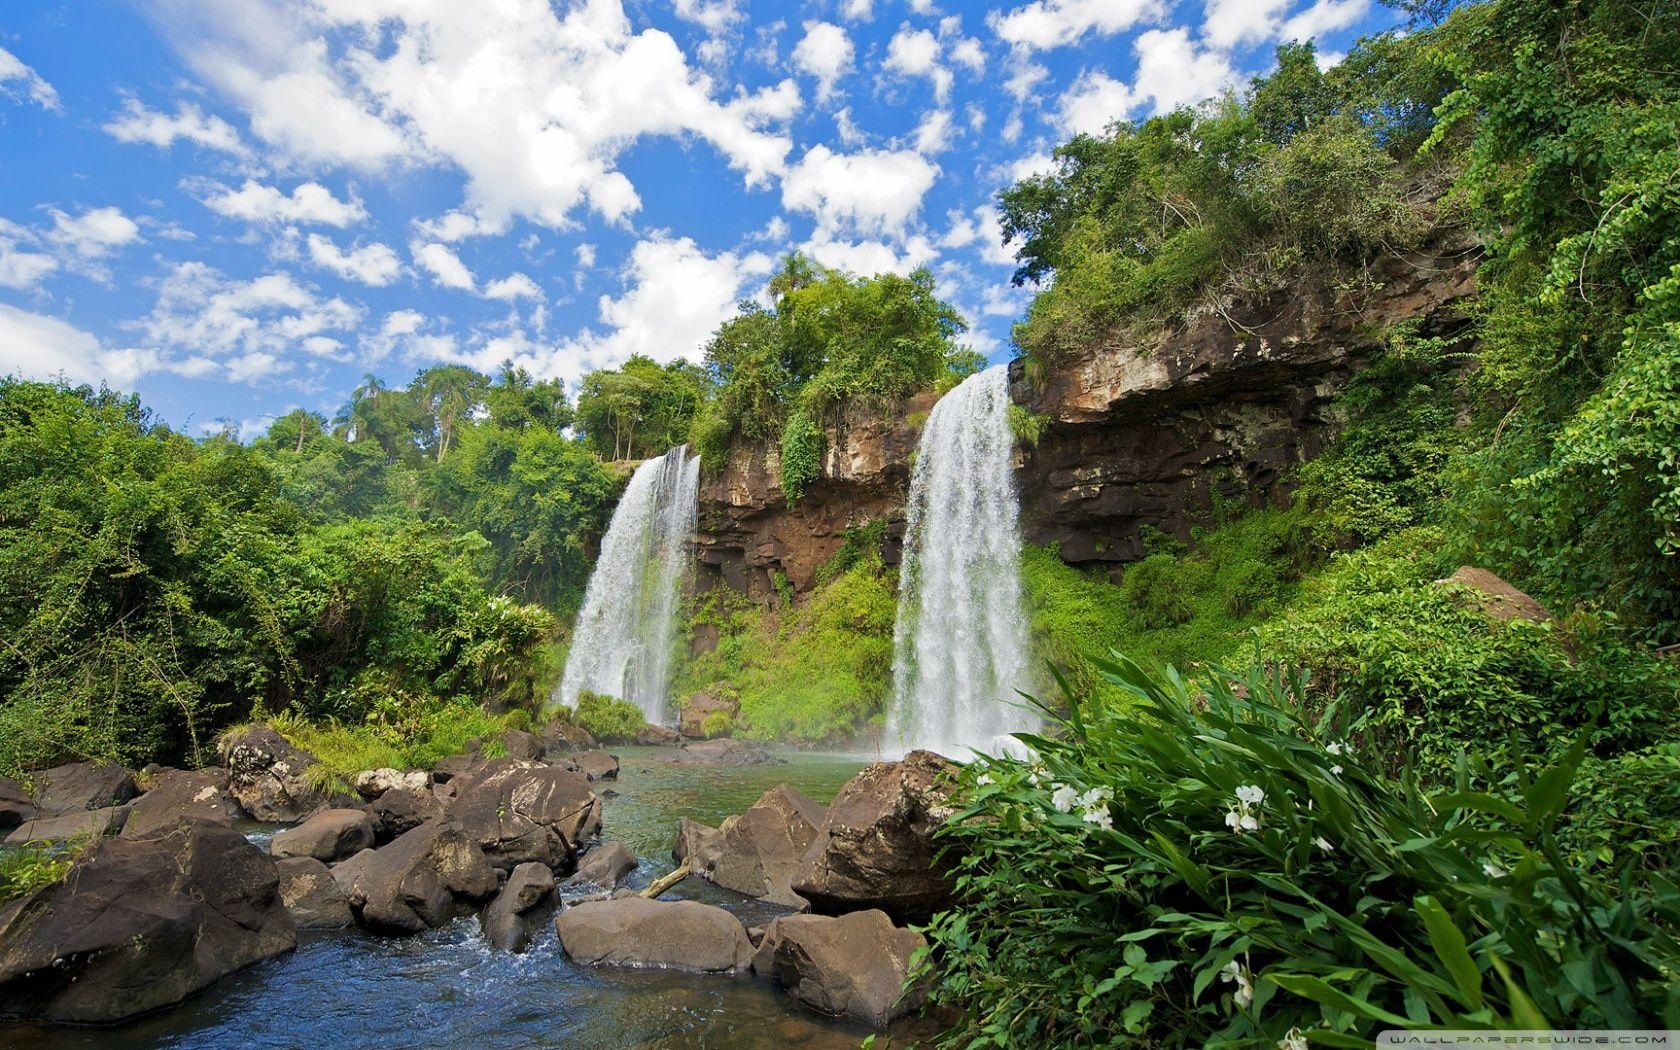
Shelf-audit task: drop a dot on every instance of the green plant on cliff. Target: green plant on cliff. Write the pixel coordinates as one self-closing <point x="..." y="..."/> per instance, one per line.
<point x="607" y="718"/>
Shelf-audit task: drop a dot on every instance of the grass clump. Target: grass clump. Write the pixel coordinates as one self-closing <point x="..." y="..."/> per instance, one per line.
<point x="419" y="737"/>
<point x="607" y="718"/>
<point x="31" y="867"/>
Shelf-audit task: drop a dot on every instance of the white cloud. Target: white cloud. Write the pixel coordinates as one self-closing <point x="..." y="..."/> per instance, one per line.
<point x="372" y="264"/>
<point x="713" y="15"/>
<point x="933" y="134"/>
<point x="19" y="81"/>
<point x="1174" y="71"/>
<point x="513" y="286"/>
<point x="309" y="202"/>
<point x="1230" y="23"/>
<point x="1031" y="165"/>
<point x="444" y="265"/>
<point x="870" y="256"/>
<point x="1094" y="101"/>
<point x="857" y="10"/>
<point x="1045" y="24"/>
<point x="206" y="325"/>
<point x="1325" y="16"/>
<point x="915" y="53"/>
<point x="825" y="52"/>
<point x="532" y="102"/>
<point x="968" y="52"/>
<point x="95" y="232"/>
<point x="872" y="191"/>
<point x="139" y="124"/>
<point x="1024" y="77"/>
<point x="39" y="347"/>
<point x="21" y="268"/>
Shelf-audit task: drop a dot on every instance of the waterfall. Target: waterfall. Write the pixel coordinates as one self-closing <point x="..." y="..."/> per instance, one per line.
<point x="626" y="632"/>
<point x="960" y="644"/>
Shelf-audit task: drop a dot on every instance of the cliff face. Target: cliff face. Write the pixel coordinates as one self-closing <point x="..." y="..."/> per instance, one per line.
<point x="1137" y="434"/>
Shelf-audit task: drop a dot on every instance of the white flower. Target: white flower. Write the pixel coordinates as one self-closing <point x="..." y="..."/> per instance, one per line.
<point x="1250" y="822"/>
<point x="1241" y="817"/>
<point x="1336" y="770"/>
<point x="1250" y="794"/>
<point x="1097" y="796"/>
<point x="984" y="780"/>
<point x="1336" y="748"/>
<point x="1293" y="1040"/>
<point x="1324" y="844"/>
<point x="1244" y="994"/>
<point x="1099" y="816"/>
<point x="1064" y="798"/>
<point x="1492" y="870"/>
<point x="1233" y="820"/>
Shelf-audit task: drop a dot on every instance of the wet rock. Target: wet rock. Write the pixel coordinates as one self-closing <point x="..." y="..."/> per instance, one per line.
<point x="759" y="852"/>
<point x="517" y="743"/>
<point x="373" y="783"/>
<point x="510" y="920"/>
<point x="605" y="866"/>
<point x="698" y="846"/>
<point x="560" y="735"/>
<point x="312" y="895"/>
<point x="702" y="706"/>
<point x="141" y="923"/>
<point x="15" y="804"/>
<point x="70" y="827"/>
<point x="725" y="753"/>
<point x="82" y="786"/>
<point x="851" y="966"/>
<point x="671" y="935"/>
<point x="328" y="835"/>
<point x="876" y="847"/>
<point x="520" y="812"/>
<point x="401" y="809"/>
<point x="1495" y="598"/>
<point x="596" y="765"/>
<point x="176" y="795"/>
<point x="657" y="736"/>
<point x="266" y="775"/>
<point x="421" y="880"/>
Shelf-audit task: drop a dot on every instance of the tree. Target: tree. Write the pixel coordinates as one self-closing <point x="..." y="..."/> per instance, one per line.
<point x="450" y="394"/>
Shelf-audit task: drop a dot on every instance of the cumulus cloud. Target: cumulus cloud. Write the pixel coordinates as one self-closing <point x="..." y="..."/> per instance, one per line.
<point x="1174" y="71"/>
<point x="18" y="81"/>
<point x="513" y="286"/>
<point x="138" y="124"/>
<point x="871" y="191"/>
<point x="20" y="266"/>
<point x="1045" y="24"/>
<point x="713" y="15"/>
<point x="970" y="53"/>
<point x="309" y="202"/>
<point x="374" y="264"/>
<point x="40" y="347"/>
<point x="825" y="52"/>
<point x="94" y="233"/>
<point x="1325" y="16"/>
<point x="676" y="296"/>
<point x="444" y="265"/>
<point x="1232" y="23"/>
<point x="1094" y="101"/>
<point x="869" y="255"/>
<point x="915" y="53"/>
<point x="208" y="325"/>
<point x="933" y="134"/>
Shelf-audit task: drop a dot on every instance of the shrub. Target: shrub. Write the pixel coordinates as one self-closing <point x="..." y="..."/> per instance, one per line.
<point x="607" y="718"/>
<point x="1203" y="867"/>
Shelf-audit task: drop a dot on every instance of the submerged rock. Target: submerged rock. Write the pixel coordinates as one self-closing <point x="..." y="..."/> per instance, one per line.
<point x="876" y="847"/>
<point x="510" y="920"/>
<point x="327" y="835"/>
<point x="759" y="852"/>
<point x="851" y="966"/>
<point x="141" y="923"/>
<point x="82" y="786"/>
<point x="312" y="895"/>
<point x="725" y="752"/>
<point x="176" y="795"/>
<point x="421" y="880"/>
<point x="517" y="812"/>
<point x="267" y="775"/>
<point x="669" y="935"/>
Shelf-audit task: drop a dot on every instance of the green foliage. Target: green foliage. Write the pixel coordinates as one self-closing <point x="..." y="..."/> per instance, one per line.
<point x="401" y="733"/>
<point x="28" y="868"/>
<point x="607" y="718"/>
<point x="640" y="409"/>
<point x="1203" y="867"/>
<point x="802" y="450"/>
<point x="1026" y="425"/>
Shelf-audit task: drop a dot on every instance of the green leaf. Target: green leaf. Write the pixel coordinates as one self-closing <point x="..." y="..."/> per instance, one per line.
<point x="1450" y="948"/>
<point x="1310" y="987"/>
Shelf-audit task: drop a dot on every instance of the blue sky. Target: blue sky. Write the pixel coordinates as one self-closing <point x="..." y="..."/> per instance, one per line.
<point x="239" y="207"/>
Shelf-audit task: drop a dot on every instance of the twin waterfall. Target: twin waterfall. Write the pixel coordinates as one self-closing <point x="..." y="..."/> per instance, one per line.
<point x="626" y="633"/>
<point x="960" y="644"/>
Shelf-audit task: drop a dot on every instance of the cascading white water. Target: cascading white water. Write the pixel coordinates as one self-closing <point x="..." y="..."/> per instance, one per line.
<point x="960" y="644"/>
<point x="626" y="632"/>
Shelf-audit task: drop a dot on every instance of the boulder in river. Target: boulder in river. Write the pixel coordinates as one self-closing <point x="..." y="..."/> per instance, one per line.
<point x="561" y="735"/>
<point x="851" y="966"/>
<point x="175" y="795"/>
<point x="327" y="835"/>
<point x="72" y="826"/>
<point x="373" y="783"/>
<point x="15" y="804"/>
<point x="605" y="866"/>
<point x="707" y="714"/>
<point x="656" y="736"/>
<point x="595" y="764"/>
<point x="141" y="923"/>
<point x="669" y="935"/>
<point x="759" y="852"/>
<point x="421" y="880"/>
<point x="698" y="846"/>
<point x="509" y="920"/>
<point x="876" y="847"/>
<point x="81" y="786"/>
<point x="312" y="895"/>
<point x="724" y="752"/>
<point x="517" y="812"/>
<point x="516" y="743"/>
<point x="267" y="775"/>
<point x="399" y="810"/>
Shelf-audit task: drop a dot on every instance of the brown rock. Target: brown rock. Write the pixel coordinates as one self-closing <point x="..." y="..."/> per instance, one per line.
<point x="760" y="851"/>
<point x="670" y="935"/>
<point x="312" y="895"/>
<point x="852" y="966"/>
<point x="372" y="783"/>
<point x="725" y="753"/>
<point x="174" y="795"/>
<point x="141" y="923"/>
<point x="605" y="866"/>
<point x="519" y="812"/>
<point x="517" y="743"/>
<point x="1495" y="598"/>
<point x="698" y="846"/>
<point x="327" y="835"/>
<point x="267" y="775"/>
<point x="596" y="765"/>
<point x="697" y="708"/>
<point x="561" y="735"/>
<point x="657" y="736"/>
<point x="508" y="921"/>
<point x="399" y="810"/>
<point x="82" y="786"/>
<point x="70" y="827"/>
<point x="15" y="804"/>
<point x="421" y="880"/>
<point x="876" y="847"/>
